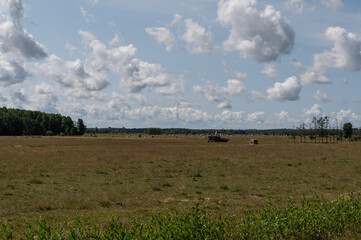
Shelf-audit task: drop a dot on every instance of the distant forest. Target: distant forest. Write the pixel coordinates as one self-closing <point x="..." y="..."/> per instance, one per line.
<point x="187" y="131"/>
<point x="16" y="122"/>
<point x="319" y="130"/>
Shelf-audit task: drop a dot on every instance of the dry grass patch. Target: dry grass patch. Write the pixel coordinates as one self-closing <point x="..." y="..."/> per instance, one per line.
<point x="58" y="177"/>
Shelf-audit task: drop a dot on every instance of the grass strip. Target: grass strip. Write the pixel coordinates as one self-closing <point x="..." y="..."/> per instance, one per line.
<point x="311" y="219"/>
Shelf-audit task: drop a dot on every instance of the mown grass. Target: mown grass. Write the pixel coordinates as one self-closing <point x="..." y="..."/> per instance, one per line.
<point x="58" y="177"/>
<point x="320" y="219"/>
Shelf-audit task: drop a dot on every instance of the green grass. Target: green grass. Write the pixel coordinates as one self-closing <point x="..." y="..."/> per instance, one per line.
<point x="320" y="219"/>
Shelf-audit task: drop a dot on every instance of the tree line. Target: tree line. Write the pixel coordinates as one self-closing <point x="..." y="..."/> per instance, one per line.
<point x="320" y="130"/>
<point x="17" y="122"/>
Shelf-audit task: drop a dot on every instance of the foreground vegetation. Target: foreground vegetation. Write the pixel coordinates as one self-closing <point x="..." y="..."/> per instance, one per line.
<point x="318" y="220"/>
<point x="60" y="177"/>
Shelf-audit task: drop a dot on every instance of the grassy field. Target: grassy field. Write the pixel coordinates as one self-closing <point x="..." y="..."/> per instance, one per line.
<point x="60" y="177"/>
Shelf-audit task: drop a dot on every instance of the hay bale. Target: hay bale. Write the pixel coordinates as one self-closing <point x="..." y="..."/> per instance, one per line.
<point x="253" y="142"/>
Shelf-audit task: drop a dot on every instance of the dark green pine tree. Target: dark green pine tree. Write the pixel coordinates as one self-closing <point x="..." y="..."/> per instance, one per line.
<point x="80" y="126"/>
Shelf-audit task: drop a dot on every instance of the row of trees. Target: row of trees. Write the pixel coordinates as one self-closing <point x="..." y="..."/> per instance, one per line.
<point x="320" y="130"/>
<point x="16" y="122"/>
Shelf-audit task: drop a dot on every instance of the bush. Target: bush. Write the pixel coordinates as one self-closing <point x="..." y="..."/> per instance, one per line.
<point x="49" y="133"/>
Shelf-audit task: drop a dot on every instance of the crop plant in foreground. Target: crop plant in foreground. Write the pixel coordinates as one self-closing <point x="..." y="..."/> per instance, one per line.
<point x="316" y="219"/>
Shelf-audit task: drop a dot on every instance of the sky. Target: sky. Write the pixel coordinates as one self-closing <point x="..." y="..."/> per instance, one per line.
<point x="231" y="64"/>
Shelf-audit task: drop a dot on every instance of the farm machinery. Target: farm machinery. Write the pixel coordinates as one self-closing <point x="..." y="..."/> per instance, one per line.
<point x="217" y="137"/>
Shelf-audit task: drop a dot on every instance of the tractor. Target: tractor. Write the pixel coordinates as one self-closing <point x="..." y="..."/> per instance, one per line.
<point x="217" y="137"/>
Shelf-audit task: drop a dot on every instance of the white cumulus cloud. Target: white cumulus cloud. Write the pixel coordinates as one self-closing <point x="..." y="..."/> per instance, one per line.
<point x="14" y="38"/>
<point x="263" y="35"/>
<point x="321" y="97"/>
<point x="344" y="116"/>
<point x="314" y="111"/>
<point x="221" y="95"/>
<point x="197" y="38"/>
<point x="17" y="46"/>
<point x="345" y="55"/>
<point x="270" y="70"/>
<point x="283" y="115"/>
<point x="256" y="117"/>
<point x="234" y="119"/>
<point x="162" y="36"/>
<point x="286" y="91"/>
<point x="74" y="74"/>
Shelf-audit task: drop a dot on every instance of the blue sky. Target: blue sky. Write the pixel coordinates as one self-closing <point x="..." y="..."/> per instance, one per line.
<point x="195" y="64"/>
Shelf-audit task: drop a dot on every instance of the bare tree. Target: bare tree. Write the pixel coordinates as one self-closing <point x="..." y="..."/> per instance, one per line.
<point x="315" y="124"/>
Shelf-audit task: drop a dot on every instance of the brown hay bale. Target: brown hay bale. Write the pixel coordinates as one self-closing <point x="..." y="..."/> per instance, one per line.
<point x="253" y="142"/>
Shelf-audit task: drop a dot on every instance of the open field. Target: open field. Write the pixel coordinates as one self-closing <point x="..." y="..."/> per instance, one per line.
<point x="59" y="177"/>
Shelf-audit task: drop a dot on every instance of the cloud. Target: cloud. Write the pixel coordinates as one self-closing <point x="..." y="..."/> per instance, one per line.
<point x="234" y="88"/>
<point x="140" y="116"/>
<point x="87" y="37"/>
<point x="116" y="39"/>
<point x="162" y="36"/>
<point x="135" y="73"/>
<point x="44" y="98"/>
<point x="233" y="118"/>
<point x="233" y="74"/>
<point x="17" y="45"/>
<point x="256" y="95"/>
<point x="54" y="68"/>
<point x="177" y="86"/>
<point x="87" y="16"/>
<point x="256" y="117"/>
<point x="118" y="101"/>
<point x="70" y="47"/>
<point x="344" y="116"/>
<point x="260" y="35"/>
<point x="177" y="18"/>
<point x="282" y="116"/>
<point x="286" y="91"/>
<point x="14" y="38"/>
<point x="77" y="94"/>
<point x="138" y="75"/>
<point x="221" y="95"/>
<point x="197" y="38"/>
<point x="332" y="4"/>
<point x="321" y="97"/>
<point x="74" y="74"/>
<point x="43" y="89"/>
<point x="283" y="119"/>
<point x="269" y="70"/>
<point x="92" y="73"/>
<point x="11" y="72"/>
<point x="295" y="6"/>
<point x="213" y="94"/>
<point x="19" y="96"/>
<point x="345" y="55"/>
<point x="139" y="98"/>
<point x="314" y="111"/>
<point x="314" y="75"/>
